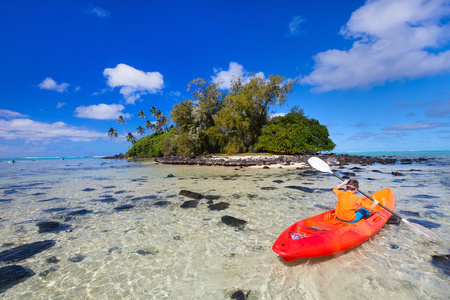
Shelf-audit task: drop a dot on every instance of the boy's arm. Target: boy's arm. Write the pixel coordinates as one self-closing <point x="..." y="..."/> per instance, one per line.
<point x="336" y="188"/>
<point x="368" y="204"/>
<point x="341" y="185"/>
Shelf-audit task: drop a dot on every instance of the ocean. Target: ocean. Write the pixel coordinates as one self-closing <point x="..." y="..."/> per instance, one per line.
<point x="117" y="230"/>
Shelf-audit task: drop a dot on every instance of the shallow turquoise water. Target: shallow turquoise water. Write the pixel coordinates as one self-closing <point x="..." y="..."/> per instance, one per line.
<point x="167" y="252"/>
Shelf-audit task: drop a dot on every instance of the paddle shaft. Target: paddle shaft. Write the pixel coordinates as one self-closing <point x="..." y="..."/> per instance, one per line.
<point x="399" y="217"/>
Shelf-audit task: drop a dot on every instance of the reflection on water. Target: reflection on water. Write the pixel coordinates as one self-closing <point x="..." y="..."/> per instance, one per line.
<point x="125" y="235"/>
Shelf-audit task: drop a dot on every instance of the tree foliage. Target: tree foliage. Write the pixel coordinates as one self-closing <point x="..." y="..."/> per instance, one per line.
<point x="161" y="121"/>
<point x="214" y="121"/>
<point x="236" y="121"/>
<point x="130" y="138"/>
<point x="294" y="133"/>
<point x="112" y="133"/>
<point x="156" y="144"/>
<point x="246" y="110"/>
<point x="195" y="116"/>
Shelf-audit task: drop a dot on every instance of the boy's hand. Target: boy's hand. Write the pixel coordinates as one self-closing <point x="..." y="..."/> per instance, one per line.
<point x="342" y="184"/>
<point x="375" y="203"/>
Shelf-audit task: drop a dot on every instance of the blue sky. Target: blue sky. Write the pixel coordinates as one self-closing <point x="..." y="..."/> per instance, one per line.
<point x="377" y="73"/>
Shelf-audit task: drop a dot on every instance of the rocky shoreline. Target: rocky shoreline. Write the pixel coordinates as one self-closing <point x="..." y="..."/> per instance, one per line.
<point x="280" y="160"/>
<point x="273" y="160"/>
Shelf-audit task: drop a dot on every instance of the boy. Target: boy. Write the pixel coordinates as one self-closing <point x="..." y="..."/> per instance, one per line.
<point x="348" y="202"/>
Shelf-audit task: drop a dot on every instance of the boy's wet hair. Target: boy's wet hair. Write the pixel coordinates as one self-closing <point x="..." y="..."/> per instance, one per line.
<point x="352" y="184"/>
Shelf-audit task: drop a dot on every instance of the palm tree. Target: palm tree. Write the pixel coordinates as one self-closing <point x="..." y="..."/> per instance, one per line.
<point x="162" y="122"/>
<point x="166" y="120"/>
<point x="150" y="126"/>
<point x="112" y="133"/>
<point x="140" y="130"/>
<point x="121" y="120"/>
<point x="153" y="112"/>
<point x="131" y="138"/>
<point x="142" y="115"/>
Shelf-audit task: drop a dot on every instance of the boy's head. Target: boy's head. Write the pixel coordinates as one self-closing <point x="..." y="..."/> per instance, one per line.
<point x="352" y="185"/>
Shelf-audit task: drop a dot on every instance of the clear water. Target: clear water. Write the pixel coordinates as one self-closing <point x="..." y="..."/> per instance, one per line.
<point x="167" y="252"/>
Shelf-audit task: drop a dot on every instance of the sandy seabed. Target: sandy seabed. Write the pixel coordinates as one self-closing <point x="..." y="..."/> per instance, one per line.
<point x="166" y="252"/>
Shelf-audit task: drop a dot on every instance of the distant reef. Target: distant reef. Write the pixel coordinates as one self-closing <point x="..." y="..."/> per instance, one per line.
<point x="117" y="156"/>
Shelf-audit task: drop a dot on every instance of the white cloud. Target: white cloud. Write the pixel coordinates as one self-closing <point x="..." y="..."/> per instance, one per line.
<point x="277" y="115"/>
<point x="224" y="78"/>
<point x="50" y="84"/>
<point x="361" y="124"/>
<point x="9" y="114"/>
<point x="396" y="129"/>
<point x="235" y="70"/>
<point x="294" y="26"/>
<point x="336" y="133"/>
<point x="60" y="104"/>
<point x="102" y="91"/>
<point x="29" y="130"/>
<point x="99" y="12"/>
<point x="362" y="135"/>
<point x="394" y="132"/>
<point x="439" y="109"/>
<point x="394" y="40"/>
<point x="101" y="112"/>
<point x="133" y="83"/>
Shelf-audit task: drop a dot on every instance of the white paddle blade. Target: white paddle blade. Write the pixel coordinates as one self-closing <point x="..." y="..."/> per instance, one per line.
<point x="419" y="229"/>
<point x="319" y="165"/>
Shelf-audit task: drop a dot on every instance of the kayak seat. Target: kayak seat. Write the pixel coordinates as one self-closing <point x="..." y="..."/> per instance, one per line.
<point x="317" y="228"/>
<point x="330" y="218"/>
<point x="324" y="223"/>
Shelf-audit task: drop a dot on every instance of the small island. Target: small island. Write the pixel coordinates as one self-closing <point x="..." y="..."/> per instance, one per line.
<point x="229" y="123"/>
<point x="235" y="128"/>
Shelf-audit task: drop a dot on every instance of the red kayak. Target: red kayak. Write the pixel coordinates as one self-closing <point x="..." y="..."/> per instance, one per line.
<point x="325" y="235"/>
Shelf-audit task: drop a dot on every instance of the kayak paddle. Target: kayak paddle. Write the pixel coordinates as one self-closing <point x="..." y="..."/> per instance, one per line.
<point x="322" y="166"/>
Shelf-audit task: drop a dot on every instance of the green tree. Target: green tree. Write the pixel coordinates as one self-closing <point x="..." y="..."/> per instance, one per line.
<point x="142" y="115"/>
<point x="247" y="108"/>
<point x="153" y="112"/>
<point x="294" y="133"/>
<point x="182" y="114"/>
<point x="140" y="130"/>
<point x="156" y="144"/>
<point x="121" y="121"/>
<point x="214" y="121"/>
<point x="150" y="126"/>
<point x="112" y="133"/>
<point x="131" y="138"/>
<point x="195" y="116"/>
<point x="161" y="122"/>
